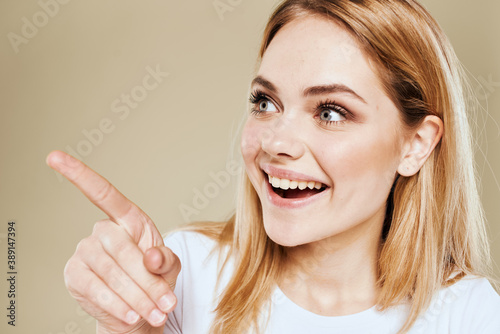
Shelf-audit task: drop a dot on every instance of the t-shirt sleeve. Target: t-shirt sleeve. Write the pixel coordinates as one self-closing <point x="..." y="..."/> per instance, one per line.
<point x="197" y="287"/>
<point x="172" y="326"/>
<point x="481" y="312"/>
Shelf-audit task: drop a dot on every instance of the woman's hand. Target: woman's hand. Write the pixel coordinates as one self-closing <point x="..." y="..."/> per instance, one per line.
<point x="122" y="274"/>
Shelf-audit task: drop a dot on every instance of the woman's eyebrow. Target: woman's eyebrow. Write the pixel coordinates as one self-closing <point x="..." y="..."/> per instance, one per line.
<point x="264" y="83"/>
<point x="332" y="88"/>
<point x="314" y="90"/>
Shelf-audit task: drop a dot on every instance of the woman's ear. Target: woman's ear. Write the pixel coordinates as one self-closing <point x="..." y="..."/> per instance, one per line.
<point x="420" y="145"/>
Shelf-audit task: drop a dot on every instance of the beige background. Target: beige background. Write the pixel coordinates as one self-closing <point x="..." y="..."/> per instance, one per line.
<point x="65" y="79"/>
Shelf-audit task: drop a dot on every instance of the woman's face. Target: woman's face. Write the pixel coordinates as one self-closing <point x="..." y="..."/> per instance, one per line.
<point x="320" y="115"/>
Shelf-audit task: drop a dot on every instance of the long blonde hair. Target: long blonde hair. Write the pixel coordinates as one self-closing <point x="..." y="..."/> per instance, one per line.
<point x="434" y="224"/>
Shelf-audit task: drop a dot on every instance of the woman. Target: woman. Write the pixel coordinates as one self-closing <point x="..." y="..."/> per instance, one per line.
<point x="358" y="210"/>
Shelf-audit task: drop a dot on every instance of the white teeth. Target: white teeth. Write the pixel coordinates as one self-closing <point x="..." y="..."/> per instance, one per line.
<point x="276" y="182"/>
<point x="286" y="184"/>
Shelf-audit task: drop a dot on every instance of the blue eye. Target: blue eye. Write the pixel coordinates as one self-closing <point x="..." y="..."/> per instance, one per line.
<point x="328" y="112"/>
<point x="266" y="105"/>
<point x="261" y="103"/>
<point x="330" y="115"/>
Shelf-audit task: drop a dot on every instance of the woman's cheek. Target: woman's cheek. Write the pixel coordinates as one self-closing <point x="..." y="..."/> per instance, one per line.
<point x="373" y="162"/>
<point x="250" y="140"/>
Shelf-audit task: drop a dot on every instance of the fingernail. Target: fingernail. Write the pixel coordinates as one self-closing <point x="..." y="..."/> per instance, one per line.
<point x="131" y="317"/>
<point x="166" y="302"/>
<point x="156" y="317"/>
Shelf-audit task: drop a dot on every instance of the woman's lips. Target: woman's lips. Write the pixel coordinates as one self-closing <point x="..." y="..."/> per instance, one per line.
<point x="308" y="197"/>
<point x="269" y="169"/>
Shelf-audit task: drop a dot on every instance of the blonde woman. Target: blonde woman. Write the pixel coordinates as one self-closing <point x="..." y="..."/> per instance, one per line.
<point x="358" y="209"/>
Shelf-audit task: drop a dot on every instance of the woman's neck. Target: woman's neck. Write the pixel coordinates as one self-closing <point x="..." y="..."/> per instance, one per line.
<point x="336" y="275"/>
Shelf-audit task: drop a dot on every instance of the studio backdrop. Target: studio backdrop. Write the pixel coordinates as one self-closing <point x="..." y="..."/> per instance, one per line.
<point x="152" y="95"/>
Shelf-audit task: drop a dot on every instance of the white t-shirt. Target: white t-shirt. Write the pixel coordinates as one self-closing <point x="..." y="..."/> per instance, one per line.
<point x="470" y="306"/>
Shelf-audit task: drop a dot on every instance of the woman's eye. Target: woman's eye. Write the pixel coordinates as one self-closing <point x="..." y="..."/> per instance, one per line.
<point x="330" y="115"/>
<point x="261" y="103"/>
<point x="266" y="105"/>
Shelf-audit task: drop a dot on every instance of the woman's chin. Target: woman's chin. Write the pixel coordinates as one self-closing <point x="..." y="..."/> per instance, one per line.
<point x="286" y="236"/>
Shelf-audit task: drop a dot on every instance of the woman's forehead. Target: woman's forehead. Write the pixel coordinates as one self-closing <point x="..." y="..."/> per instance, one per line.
<point x="314" y="50"/>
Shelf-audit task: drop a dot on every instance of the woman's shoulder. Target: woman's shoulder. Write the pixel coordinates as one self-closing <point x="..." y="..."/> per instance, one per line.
<point x="473" y="289"/>
<point x="186" y="236"/>
<point x="190" y="243"/>
<point x="197" y="287"/>
<point x="471" y="305"/>
<point x="200" y="239"/>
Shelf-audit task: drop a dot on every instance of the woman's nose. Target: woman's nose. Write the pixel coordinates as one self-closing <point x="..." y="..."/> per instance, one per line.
<point x="282" y="138"/>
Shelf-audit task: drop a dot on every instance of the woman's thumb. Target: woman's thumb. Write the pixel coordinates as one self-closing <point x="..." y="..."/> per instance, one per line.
<point x="162" y="261"/>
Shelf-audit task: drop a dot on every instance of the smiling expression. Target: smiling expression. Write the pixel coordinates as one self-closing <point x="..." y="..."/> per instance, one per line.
<point x="320" y="115"/>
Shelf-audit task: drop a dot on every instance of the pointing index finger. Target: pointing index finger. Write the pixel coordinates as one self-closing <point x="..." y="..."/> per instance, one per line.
<point x="95" y="187"/>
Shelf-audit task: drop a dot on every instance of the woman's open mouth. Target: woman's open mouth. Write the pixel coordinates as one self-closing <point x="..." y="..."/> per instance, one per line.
<point x="295" y="189"/>
<point x="292" y="193"/>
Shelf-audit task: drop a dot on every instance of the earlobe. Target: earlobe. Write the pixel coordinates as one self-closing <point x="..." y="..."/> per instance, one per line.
<point x="421" y="145"/>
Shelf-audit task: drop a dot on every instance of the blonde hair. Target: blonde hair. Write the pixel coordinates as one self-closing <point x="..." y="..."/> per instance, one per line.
<point x="434" y="225"/>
